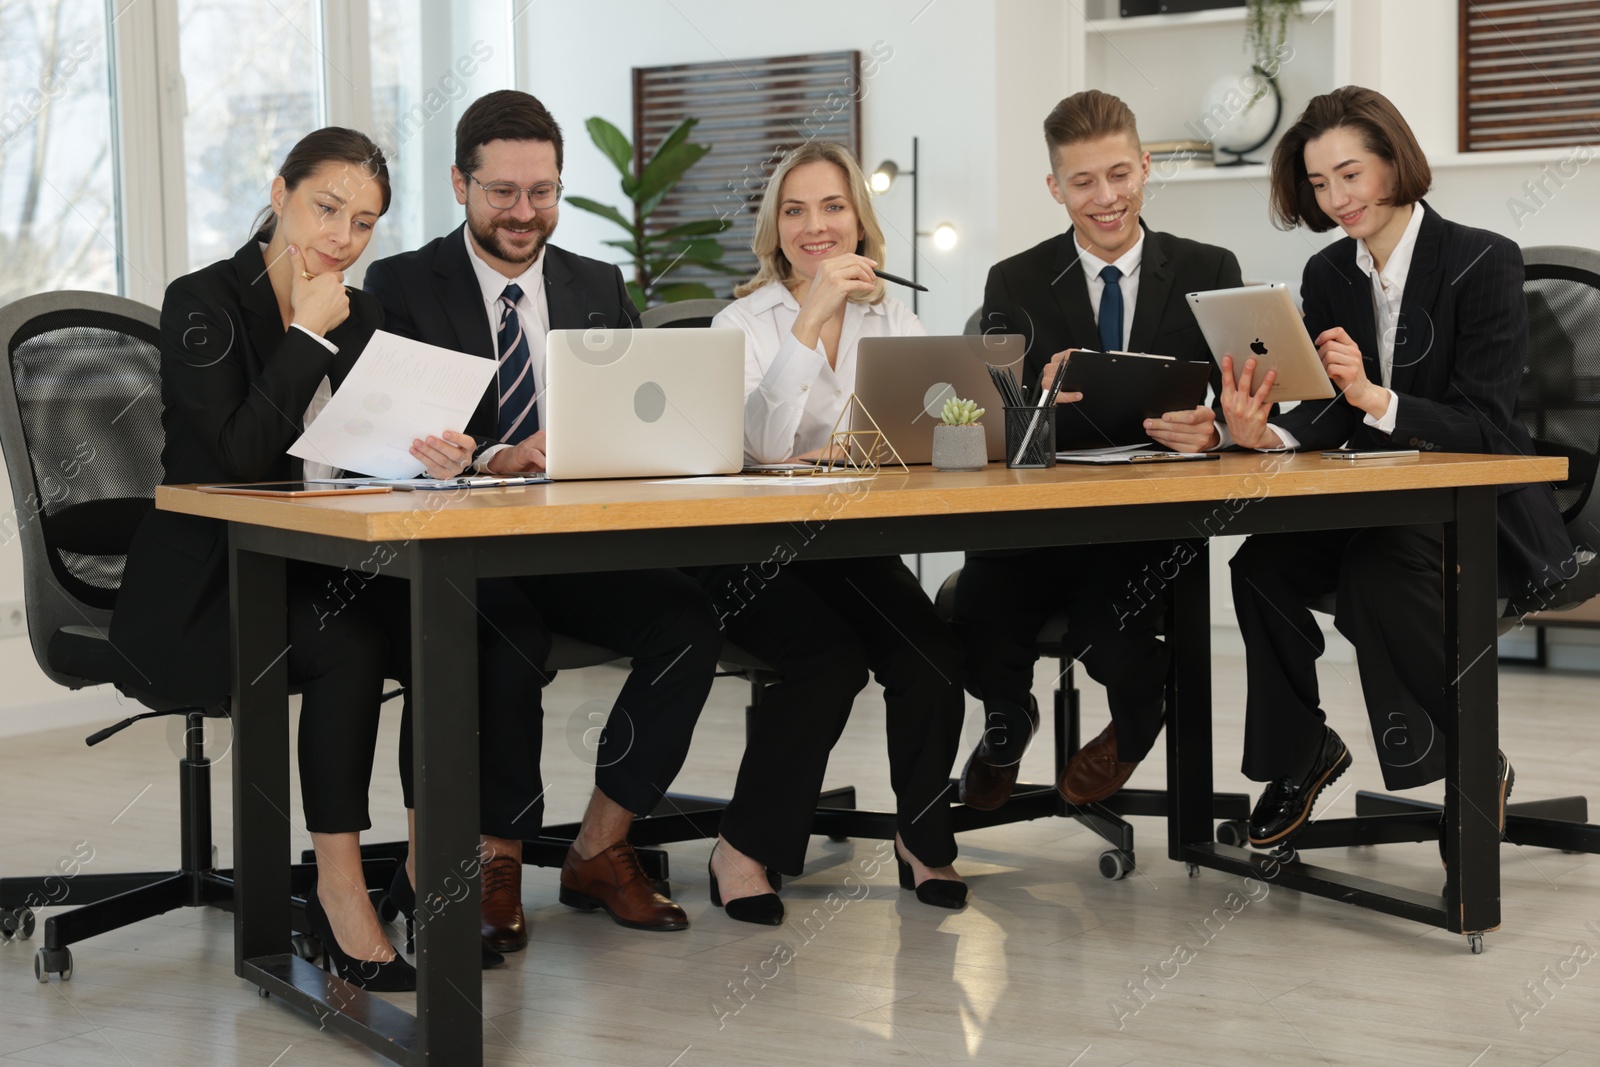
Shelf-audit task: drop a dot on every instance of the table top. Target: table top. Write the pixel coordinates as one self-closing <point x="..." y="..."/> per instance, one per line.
<point x="579" y="507"/>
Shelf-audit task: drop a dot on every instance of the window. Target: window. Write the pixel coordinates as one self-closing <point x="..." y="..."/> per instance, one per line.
<point x="58" y="202"/>
<point x="253" y="70"/>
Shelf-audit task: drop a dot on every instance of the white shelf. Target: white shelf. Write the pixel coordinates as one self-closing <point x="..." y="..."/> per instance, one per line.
<point x="1146" y="23"/>
<point x="1210" y="174"/>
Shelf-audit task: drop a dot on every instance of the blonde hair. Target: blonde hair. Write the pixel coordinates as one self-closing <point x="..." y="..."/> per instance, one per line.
<point x="775" y="266"/>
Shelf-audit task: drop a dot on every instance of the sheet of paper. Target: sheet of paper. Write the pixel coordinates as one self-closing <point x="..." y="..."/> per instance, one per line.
<point x="399" y="390"/>
<point x="1113" y="450"/>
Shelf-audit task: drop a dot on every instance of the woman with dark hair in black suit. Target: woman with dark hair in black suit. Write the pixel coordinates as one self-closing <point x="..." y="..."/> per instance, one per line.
<point x="1422" y="325"/>
<point x="251" y="348"/>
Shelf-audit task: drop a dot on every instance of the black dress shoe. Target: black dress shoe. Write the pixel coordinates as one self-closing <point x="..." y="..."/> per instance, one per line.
<point x="1505" y="778"/>
<point x="935" y="892"/>
<point x="1286" y="803"/>
<point x="404" y="898"/>
<point x="379" y="976"/>
<point x="764" y="910"/>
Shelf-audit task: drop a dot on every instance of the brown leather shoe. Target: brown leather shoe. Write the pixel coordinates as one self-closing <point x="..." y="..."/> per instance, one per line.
<point x="503" y="926"/>
<point x="985" y="785"/>
<point x="1095" y="772"/>
<point x="614" y="881"/>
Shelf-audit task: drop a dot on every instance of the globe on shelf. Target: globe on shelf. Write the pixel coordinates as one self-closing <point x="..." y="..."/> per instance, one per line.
<point x="1241" y="113"/>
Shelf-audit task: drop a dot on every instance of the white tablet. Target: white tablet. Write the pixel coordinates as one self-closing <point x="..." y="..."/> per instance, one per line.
<point x="1262" y="321"/>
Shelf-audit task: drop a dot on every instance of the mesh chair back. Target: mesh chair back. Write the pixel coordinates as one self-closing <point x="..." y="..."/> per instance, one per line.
<point x="80" y="422"/>
<point x="1560" y="400"/>
<point x="683" y="314"/>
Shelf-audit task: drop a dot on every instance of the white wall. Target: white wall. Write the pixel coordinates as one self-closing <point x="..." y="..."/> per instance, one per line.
<point x="939" y="85"/>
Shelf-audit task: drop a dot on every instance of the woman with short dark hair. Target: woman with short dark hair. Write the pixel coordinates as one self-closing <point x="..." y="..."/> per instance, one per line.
<point x="1422" y="326"/>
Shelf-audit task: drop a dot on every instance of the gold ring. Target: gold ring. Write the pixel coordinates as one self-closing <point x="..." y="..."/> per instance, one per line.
<point x="307" y="275"/>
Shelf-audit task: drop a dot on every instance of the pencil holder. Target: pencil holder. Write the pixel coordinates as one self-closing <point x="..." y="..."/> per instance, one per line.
<point x="1030" y="437"/>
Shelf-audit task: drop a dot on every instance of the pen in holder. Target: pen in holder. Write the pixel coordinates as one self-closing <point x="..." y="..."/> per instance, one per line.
<point x="1030" y="436"/>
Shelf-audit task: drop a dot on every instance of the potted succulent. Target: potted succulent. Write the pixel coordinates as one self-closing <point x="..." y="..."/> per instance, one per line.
<point x="958" y="440"/>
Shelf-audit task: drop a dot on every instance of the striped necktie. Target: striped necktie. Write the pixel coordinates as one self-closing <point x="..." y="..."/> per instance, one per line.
<point x="519" y="413"/>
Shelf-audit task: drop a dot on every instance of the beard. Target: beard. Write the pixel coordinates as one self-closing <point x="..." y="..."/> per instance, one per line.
<point x="487" y="233"/>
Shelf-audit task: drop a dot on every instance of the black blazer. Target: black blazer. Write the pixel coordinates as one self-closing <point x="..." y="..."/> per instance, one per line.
<point x="1461" y="347"/>
<point x="234" y="387"/>
<point x="432" y="295"/>
<point x="1043" y="295"/>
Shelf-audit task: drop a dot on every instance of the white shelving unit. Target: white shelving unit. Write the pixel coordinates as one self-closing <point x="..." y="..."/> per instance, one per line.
<point x="1162" y="66"/>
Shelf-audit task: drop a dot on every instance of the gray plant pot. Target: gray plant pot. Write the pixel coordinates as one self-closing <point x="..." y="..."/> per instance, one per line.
<point x="960" y="448"/>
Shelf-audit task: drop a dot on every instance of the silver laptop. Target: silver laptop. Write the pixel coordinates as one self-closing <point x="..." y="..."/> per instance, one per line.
<point x="644" y="403"/>
<point x="903" y="383"/>
<point x="1262" y="321"/>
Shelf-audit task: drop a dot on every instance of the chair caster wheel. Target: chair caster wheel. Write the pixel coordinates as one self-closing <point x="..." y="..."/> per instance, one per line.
<point x="263" y="993"/>
<point x="1234" y="832"/>
<point x="1193" y="869"/>
<point x="306" y="946"/>
<point x="16" y="923"/>
<point x="1475" y="943"/>
<point x="1116" y="864"/>
<point x="48" y="961"/>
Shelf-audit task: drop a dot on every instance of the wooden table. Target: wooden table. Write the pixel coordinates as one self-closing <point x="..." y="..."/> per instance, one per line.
<point x="443" y="541"/>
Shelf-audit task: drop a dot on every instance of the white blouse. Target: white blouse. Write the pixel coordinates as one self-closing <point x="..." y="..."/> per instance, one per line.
<point x="792" y="397"/>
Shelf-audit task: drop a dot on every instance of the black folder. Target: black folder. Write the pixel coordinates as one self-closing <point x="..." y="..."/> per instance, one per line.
<point x="1120" y="390"/>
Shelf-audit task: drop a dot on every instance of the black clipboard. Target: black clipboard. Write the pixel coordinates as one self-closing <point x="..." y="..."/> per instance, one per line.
<point x="1121" y="390"/>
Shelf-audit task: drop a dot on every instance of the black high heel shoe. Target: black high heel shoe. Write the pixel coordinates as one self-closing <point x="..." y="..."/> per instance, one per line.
<point x="938" y="892"/>
<point x="405" y="899"/>
<point x="764" y="910"/>
<point x="392" y="976"/>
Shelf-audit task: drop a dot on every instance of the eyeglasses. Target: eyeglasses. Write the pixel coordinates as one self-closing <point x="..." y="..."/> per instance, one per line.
<point x="503" y="196"/>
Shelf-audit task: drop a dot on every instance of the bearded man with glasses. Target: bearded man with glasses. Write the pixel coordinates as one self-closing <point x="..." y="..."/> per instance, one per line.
<point x="494" y="287"/>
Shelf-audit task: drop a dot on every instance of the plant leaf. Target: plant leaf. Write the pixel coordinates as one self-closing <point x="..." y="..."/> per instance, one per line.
<point x="692" y="229"/>
<point x="670" y="294"/>
<point x="613" y="144"/>
<point x="627" y="246"/>
<point x="663" y="172"/>
<point x="605" y="211"/>
<point x="636" y="294"/>
<point x="679" y="134"/>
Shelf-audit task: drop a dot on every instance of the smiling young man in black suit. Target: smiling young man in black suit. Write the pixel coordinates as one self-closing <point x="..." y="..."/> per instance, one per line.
<point x="1110" y="284"/>
<point x="494" y="287"/>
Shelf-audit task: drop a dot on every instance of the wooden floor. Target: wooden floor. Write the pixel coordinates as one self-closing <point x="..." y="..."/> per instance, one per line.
<point x="1040" y="969"/>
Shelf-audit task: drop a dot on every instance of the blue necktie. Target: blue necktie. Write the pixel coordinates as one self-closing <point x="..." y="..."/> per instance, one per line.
<point x="1111" y="311"/>
<point x="519" y="414"/>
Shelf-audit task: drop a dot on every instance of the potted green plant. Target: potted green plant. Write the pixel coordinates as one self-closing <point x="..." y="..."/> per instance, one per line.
<point x="1266" y="28"/>
<point x="656" y="255"/>
<point x="958" y="441"/>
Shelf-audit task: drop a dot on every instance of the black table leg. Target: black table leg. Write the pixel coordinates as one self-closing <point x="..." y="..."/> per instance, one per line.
<point x="1471" y="801"/>
<point x="444" y="689"/>
<point x="261" y="810"/>
<point x="1189" y="771"/>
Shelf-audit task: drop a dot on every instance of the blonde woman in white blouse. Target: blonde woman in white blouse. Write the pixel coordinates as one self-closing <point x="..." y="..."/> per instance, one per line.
<point x="823" y="625"/>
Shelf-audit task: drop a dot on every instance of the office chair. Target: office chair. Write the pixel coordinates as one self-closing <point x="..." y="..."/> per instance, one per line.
<point x="1108" y="818"/>
<point x="1560" y="405"/>
<point x="682" y="314"/>
<point x="80" y="422"/>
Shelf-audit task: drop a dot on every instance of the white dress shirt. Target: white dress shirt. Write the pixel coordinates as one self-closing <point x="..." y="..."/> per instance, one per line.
<point x="1388" y="289"/>
<point x="1128" y="264"/>
<point x="792" y="397"/>
<point x="534" y="311"/>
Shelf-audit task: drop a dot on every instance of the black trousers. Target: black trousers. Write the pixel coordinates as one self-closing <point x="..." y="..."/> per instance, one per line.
<point x="347" y="634"/>
<point x="1390" y="587"/>
<point x="1113" y="595"/>
<point x="822" y="626"/>
<point x="662" y="620"/>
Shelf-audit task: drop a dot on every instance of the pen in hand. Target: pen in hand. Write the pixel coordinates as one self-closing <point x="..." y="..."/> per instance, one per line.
<point x="886" y="276"/>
